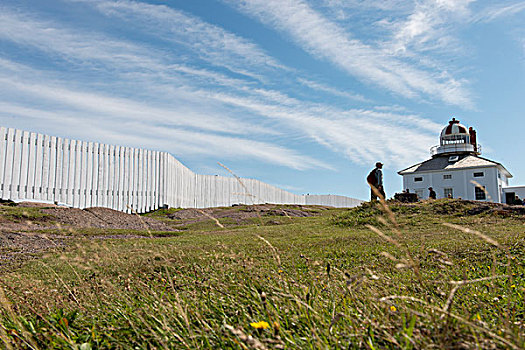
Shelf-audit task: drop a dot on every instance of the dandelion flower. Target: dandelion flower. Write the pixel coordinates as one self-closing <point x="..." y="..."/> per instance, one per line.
<point x="393" y="308"/>
<point x="260" y="325"/>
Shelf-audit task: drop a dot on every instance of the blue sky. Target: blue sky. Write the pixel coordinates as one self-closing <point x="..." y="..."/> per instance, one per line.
<point x="305" y="95"/>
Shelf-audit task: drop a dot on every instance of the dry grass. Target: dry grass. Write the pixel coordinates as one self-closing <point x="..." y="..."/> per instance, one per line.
<point x="418" y="277"/>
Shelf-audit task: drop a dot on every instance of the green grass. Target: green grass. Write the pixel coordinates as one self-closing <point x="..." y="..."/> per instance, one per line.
<point x="23" y="214"/>
<point x="161" y="214"/>
<point x="319" y="282"/>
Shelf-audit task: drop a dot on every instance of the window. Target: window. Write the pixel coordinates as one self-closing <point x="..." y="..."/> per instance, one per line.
<point x="479" y="174"/>
<point x="448" y="193"/>
<point x="418" y="179"/>
<point x="480" y="193"/>
<point x="447" y="177"/>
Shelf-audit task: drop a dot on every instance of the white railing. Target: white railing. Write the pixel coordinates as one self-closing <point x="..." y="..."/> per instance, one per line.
<point x="453" y="148"/>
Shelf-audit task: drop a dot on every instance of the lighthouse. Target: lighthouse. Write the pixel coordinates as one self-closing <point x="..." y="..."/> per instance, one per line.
<point x="456" y="169"/>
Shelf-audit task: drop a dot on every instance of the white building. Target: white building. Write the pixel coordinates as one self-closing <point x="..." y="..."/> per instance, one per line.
<point x="457" y="170"/>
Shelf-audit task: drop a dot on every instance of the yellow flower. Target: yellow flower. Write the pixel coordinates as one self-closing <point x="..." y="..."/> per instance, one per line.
<point x="393" y="308"/>
<point x="513" y="286"/>
<point x="260" y="325"/>
<point x="478" y="317"/>
<point x="280" y="271"/>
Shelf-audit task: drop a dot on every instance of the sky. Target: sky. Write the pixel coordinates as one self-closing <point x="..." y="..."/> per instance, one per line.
<point x="303" y="94"/>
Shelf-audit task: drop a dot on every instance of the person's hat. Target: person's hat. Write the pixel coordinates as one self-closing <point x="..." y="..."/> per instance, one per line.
<point x="379" y="164"/>
<point x="430" y="188"/>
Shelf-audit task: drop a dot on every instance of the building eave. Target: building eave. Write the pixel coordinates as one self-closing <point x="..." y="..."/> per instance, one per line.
<point x="404" y="171"/>
<point x="450" y="169"/>
<point x="492" y="164"/>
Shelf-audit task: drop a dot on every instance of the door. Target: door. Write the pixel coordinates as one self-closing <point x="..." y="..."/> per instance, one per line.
<point x="509" y="197"/>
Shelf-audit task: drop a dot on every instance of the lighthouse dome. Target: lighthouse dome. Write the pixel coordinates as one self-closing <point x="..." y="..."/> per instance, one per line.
<point x="454" y="128"/>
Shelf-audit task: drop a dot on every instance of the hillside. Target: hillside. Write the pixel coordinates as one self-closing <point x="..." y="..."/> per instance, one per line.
<point x="444" y="274"/>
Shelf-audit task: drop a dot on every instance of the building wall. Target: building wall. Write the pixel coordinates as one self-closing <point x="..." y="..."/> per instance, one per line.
<point x="86" y="174"/>
<point x="517" y="190"/>
<point x="461" y="182"/>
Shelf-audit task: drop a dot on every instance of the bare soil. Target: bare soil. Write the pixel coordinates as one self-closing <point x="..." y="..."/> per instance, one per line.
<point x="244" y="213"/>
<point x="17" y="247"/>
<point x="23" y="236"/>
<point x="105" y="218"/>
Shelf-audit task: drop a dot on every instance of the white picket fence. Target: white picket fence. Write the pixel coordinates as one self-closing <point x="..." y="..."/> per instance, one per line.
<point x="80" y="174"/>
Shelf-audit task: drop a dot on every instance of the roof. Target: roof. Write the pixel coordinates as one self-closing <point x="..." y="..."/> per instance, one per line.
<point x="442" y="163"/>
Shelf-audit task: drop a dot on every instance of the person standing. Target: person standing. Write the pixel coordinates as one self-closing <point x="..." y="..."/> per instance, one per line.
<point x="432" y="193"/>
<point x="375" y="180"/>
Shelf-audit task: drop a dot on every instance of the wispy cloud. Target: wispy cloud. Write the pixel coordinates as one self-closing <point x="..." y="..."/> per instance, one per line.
<point x="427" y="26"/>
<point x="143" y="134"/>
<point x="210" y="42"/>
<point x="124" y="120"/>
<point x="326" y="40"/>
<point x="73" y="46"/>
<point x="361" y="135"/>
<point x="331" y="90"/>
<point x="492" y="13"/>
<point x="142" y="97"/>
<point x="352" y="5"/>
<point x="214" y="44"/>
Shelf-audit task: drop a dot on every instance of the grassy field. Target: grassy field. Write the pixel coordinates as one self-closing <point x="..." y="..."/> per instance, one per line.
<point x="446" y="274"/>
